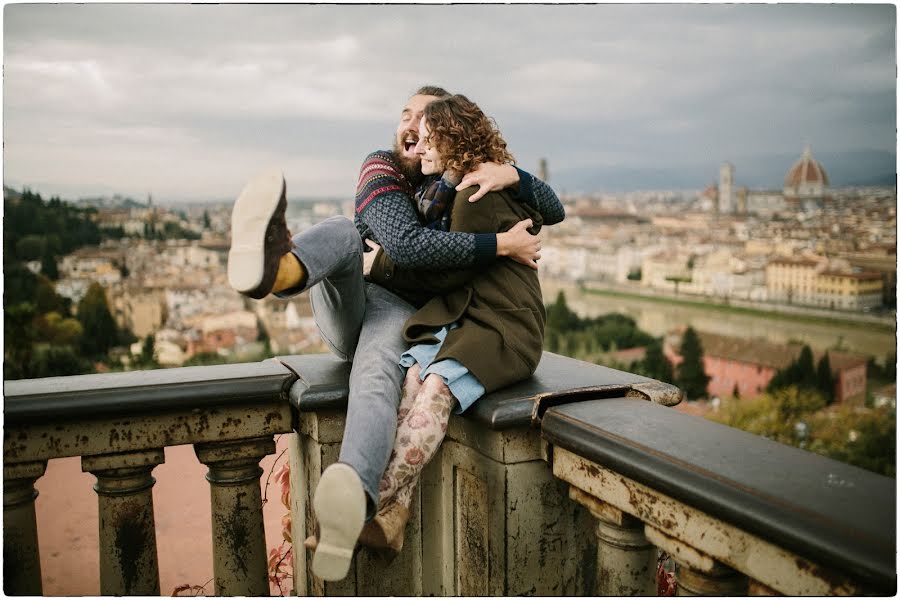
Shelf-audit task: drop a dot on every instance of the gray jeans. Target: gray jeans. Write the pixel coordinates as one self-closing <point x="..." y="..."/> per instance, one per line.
<point x="357" y="319"/>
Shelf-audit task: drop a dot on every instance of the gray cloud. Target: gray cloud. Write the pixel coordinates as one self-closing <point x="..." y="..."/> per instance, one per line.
<point x="186" y="101"/>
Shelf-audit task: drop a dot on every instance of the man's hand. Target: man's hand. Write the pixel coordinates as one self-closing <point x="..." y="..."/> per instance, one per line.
<point x="489" y="177"/>
<point x="369" y="257"/>
<point x="520" y="245"/>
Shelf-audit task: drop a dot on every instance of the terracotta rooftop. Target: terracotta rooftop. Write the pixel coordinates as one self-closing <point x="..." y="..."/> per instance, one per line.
<point x="787" y="260"/>
<point x="629" y="355"/>
<point x="863" y="275"/>
<point x="754" y="351"/>
<point x="768" y="354"/>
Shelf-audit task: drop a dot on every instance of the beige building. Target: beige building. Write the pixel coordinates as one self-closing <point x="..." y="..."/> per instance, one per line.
<point x="849" y="290"/>
<point x="794" y="280"/>
<point x="725" y="274"/>
<point x="93" y="264"/>
<point x="143" y="311"/>
<point x="665" y="270"/>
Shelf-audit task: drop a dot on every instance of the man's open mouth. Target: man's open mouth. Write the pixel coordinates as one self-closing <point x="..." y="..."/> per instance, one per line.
<point x="409" y="143"/>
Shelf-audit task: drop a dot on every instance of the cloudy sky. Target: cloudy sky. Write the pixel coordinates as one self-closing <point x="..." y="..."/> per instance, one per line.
<point x="187" y="101"/>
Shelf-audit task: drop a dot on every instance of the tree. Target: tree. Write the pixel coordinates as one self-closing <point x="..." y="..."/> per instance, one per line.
<point x="48" y="266"/>
<point x="56" y="361"/>
<point x="19" y="335"/>
<point x="206" y="223"/>
<point x="559" y="317"/>
<point x="59" y="331"/>
<point x="692" y="377"/>
<point x="147" y="357"/>
<point x="30" y="247"/>
<point x="867" y="439"/>
<point x="19" y="284"/>
<point x="100" y="331"/>
<point x="656" y="365"/>
<point x="824" y="379"/>
<point x="45" y="297"/>
<point x="800" y="372"/>
<point x="771" y="415"/>
<point x="205" y="358"/>
<point x="806" y="370"/>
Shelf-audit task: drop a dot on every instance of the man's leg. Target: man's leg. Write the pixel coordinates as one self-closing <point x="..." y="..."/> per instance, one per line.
<point x="326" y="259"/>
<point x="348" y="490"/>
<point x="375" y="384"/>
<point x="330" y="253"/>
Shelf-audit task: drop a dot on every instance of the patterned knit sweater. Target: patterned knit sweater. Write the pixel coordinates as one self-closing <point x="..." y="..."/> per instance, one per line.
<point x="386" y="214"/>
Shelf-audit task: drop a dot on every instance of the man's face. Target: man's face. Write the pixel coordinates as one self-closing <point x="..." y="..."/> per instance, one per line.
<point x="408" y="131"/>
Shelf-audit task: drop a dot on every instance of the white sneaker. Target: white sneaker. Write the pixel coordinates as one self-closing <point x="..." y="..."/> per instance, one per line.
<point x="340" y="508"/>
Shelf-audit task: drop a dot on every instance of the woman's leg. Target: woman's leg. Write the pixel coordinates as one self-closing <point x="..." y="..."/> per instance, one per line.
<point x="420" y="431"/>
<point x="411" y="386"/>
<point x="419" y="436"/>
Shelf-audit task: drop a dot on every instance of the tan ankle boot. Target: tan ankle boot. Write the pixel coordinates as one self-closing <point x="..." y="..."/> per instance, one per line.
<point x="387" y="530"/>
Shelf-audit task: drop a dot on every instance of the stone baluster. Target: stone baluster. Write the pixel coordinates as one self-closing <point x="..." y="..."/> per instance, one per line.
<point x="626" y="561"/>
<point x="698" y="574"/>
<point x="128" y="558"/>
<point x="21" y="556"/>
<point x="239" y="540"/>
<point x="757" y="588"/>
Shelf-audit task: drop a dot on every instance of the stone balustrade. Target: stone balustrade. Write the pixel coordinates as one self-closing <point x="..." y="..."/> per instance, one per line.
<point x="119" y="424"/>
<point x="738" y="513"/>
<point x="570" y="483"/>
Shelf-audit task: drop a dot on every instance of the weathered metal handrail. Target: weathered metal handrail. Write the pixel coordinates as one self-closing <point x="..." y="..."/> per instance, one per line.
<point x="738" y="513"/>
<point x="119" y="424"/>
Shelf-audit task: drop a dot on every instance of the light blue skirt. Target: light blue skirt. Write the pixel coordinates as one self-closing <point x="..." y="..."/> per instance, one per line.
<point x="463" y="385"/>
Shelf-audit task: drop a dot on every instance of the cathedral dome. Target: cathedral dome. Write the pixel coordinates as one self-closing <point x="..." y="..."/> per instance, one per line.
<point x="806" y="172"/>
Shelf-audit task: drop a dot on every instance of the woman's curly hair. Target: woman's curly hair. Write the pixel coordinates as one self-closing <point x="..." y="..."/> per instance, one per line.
<point x="463" y="135"/>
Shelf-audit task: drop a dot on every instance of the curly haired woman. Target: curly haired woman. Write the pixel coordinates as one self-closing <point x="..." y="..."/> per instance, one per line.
<point x="481" y="329"/>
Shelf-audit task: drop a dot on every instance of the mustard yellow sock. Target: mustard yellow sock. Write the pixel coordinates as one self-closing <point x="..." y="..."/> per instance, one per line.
<point x="291" y="273"/>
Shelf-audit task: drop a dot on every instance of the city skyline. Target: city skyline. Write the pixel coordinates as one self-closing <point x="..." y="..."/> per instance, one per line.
<point x="187" y="101"/>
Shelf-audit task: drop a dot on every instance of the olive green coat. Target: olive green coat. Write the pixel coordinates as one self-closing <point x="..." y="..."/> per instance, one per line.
<point x="499" y="307"/>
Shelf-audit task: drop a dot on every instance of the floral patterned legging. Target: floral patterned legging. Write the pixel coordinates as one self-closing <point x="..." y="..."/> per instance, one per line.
<point x="421" y="425"/>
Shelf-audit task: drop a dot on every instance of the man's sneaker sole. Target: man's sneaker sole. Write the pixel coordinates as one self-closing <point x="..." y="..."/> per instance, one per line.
<point x="249" y="220"/>
<point x="340" y="508"/>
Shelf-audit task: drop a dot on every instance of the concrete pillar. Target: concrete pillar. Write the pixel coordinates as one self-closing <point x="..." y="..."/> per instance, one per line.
<point x="626" y="561"/>
<point x="21" y="556"/>
<point x="239" y="540"/>
<point x="718" y="581"/>
<point x="698" y="574"/>
<point x="128" y="560"/>
<point x="757" y="588"/>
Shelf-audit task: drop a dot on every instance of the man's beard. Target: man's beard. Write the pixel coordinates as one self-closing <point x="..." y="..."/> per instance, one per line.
<point x="411" y="168"/>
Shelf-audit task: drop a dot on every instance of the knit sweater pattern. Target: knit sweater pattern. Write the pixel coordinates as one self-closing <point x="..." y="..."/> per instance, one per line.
<point x="386" y="214"/>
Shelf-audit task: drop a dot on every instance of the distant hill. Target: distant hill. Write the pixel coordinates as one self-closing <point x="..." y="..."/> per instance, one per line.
<point x="11" y="194"/>
<point x="860" y="168"/>
<point x="116" y="201"/>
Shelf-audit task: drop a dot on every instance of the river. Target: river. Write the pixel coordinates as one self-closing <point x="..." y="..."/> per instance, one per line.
<point x="657" y="318"/>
